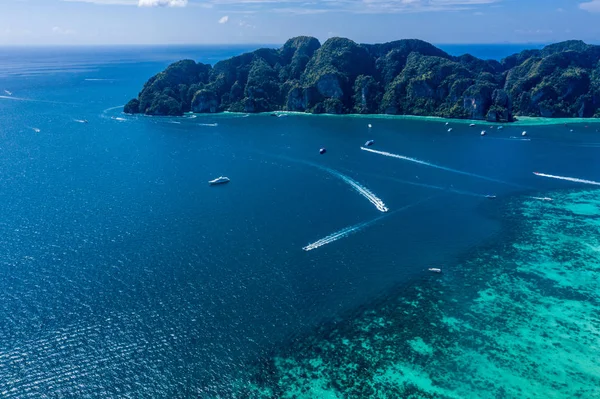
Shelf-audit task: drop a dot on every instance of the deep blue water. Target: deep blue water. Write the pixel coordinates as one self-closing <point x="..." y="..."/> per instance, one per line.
<point x="123" y="274"/>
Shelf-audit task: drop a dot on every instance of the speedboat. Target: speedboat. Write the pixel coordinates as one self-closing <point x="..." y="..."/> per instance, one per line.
<point x="483" y="132"/>
<point x="500" y="127"/>
<point x="219" y="180"/>
<point x="434" y="270"/>
<point x="8" y="92"/>
<point x="472" y="125"/>
<point x="370" y="126"/>
<point x="322" y="151"/>
<point x="449" y="130"/>
<point x="524" y="133"/>
<point x="369" y="143"/>
<point x="491" y="197"/>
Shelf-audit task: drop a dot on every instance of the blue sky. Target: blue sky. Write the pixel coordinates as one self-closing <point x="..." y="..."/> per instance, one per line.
<point x="77" y="22"/>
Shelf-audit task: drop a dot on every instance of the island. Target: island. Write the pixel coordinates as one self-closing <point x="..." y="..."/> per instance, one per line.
<point x="404" y="77"/>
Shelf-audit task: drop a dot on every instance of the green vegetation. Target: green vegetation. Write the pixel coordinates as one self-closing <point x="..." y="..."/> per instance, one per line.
<point x="401" y="77"/>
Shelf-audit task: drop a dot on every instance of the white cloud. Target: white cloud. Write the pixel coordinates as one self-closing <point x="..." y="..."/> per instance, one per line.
<point x="324" y="6"/>
<point x="61" y="31"/>
<point x="224" y="20"/>
<point x="247" y="25"/>
<point x="591" y="6"/>
<point x="162" y="3"/>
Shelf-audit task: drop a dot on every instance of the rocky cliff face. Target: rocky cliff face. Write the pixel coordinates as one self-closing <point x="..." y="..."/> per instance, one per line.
<point x="402" y="77"/>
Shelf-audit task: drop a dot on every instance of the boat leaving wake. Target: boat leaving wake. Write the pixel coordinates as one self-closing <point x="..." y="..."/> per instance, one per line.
<point x="432" y="165"/>
<point x="208" y="124"/>
<point x="573" y="179"/>
<point x="362" y="190"/>
<point x="359" y="188"/>
<point x="345" y="232"/>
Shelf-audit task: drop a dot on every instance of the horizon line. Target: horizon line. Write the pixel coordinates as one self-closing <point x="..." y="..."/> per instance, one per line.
<point x="33" y="45"/>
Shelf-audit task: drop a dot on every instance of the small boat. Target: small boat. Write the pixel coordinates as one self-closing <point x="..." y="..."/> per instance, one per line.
<point x="370" y="126"/>
<point x="483" y="132"/>
<point x="282" y="116"/>
<point x="447" y="123"/>
<point x="369" y="143"/>
<point x="472" y="125"/>
<point x="491" y="197"/>
<point x="449" y="130"/>
<point x="322" y="151"/>
<point x="500" y="127"/>
<point x="524" y="133"/>
<point x="219" y="180"/>
<point x="8" y="92"/>
<point x="434" y="270"/>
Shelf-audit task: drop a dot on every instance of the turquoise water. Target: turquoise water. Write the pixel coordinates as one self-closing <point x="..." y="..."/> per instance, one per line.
<point x="123" y="274"/>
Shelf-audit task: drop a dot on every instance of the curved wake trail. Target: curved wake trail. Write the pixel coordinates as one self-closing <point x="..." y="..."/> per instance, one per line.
<point x="573" y="179"/>
<point x="359" y="188"/>
<point x="432" y="165"/>
<point x="345" y="232"/>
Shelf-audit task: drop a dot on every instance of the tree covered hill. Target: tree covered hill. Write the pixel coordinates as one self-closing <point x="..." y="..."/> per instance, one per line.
<point x="408" y="77"/>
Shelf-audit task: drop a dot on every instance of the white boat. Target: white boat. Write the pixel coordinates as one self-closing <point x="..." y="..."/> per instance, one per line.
<point x="524" y="133"/>
<point x="449" y="130"/>
<point x="369" y="143"/>
<point x="8" y="92"/>
<point x="435" y="270"/>
<point x="219" y="180"/>
<point x="483" y="132"/>
<point x="472" y="125"/>
<point x="500" y="127"/>
<point x="491" y="197"/>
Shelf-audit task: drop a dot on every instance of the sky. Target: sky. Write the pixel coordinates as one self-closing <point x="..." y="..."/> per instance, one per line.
<point x="110" y="22"/>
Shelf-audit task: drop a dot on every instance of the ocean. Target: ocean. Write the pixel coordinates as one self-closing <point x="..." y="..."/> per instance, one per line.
<point x="124" y="274"/>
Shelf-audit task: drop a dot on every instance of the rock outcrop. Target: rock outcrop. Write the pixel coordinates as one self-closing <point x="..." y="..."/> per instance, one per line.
<point x="401" y="77"/>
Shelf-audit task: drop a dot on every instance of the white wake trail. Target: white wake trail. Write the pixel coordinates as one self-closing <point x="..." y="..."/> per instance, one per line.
<point x="573" y="179"/>
<point x="359" y="188"/>
<point x="345" y="232"/>
<point x="432" y="165"/>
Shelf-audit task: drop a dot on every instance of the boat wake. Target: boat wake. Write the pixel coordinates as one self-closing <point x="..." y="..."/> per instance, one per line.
<point x="430" y="186"/>
<point x="511" y="138"/>
<point x="339" y="235"/>
<point x="573" y="179"/>
<point x="359" y="188"/>
<point x="345" y="232"/>
<point x="432" y="165"/>
<point x="112" y="108"/>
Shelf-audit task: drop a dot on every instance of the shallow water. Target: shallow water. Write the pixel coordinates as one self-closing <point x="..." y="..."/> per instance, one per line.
<point x="122" y="273"/>
<point x="517" y="318"/>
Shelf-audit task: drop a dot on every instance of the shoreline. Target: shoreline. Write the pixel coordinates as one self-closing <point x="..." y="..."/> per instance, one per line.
<point x="522" y="121"/>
